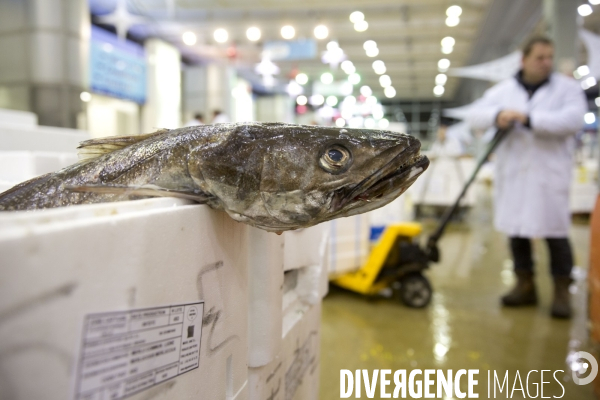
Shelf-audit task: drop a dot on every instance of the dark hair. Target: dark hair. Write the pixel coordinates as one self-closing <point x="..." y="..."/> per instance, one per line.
<point x="535" y="40"/>
<point x="198" y="116"/>
<point x="217" y="112"/>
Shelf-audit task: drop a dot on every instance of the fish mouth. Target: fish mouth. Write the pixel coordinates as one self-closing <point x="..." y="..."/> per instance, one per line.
<point x="396" y="176"/>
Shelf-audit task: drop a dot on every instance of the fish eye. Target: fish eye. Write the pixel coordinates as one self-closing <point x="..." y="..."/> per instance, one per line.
<point x="335" y="159"/>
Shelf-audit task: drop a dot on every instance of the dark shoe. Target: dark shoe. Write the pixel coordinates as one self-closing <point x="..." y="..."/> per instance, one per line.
<point x="523" y="293"/>
<point x="561" y="306"/>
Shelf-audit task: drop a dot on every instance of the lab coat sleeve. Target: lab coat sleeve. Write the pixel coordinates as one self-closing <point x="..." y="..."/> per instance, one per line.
<point x="484" y="111"/>
<point x="563" y="122"/>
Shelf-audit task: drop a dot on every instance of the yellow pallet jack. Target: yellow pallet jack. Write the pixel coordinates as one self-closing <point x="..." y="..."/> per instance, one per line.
<point x="397" y="259"/>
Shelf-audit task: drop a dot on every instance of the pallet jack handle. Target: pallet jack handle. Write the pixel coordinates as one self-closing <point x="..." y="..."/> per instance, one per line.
<point x="432" y="251"/>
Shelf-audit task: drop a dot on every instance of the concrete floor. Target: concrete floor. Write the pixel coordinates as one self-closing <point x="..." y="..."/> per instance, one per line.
<point x="464" y="326"/>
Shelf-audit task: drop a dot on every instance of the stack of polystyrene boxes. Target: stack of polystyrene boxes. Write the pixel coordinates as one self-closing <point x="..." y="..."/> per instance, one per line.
<point x="284" y="344"/>
<point x="28" y="150"/>
<point x="348" y="246"/>
<point x="441" y="184"/>
<point x="584" y="187"/>
<point x="59" y="266"/>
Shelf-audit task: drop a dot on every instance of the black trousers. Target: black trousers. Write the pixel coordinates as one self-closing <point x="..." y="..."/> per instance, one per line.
<point x="561" y="257"/>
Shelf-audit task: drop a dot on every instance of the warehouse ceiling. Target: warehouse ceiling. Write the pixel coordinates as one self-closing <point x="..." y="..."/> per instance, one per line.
<point x="407" y="33"/>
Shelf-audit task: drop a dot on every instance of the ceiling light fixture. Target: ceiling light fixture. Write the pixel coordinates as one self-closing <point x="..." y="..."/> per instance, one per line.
<point x="385" y="81"/>
<point x="584" y="10"/>
<point x="253" y="34"/>
<point x="221" y="35"/>
<point x="302" y="78"/>
<point x="389" y="92"/>
<point x="454" y="11"/>
<point x="452" y="21"/>
<point x="443" y="65"/>
<point x="438" y="90"/>
<point x="361" y="26"/>
<point x="288" y="32"/>
<point x="357" y="16"/>
<point x="372" y="52"/>
<point x="189" y="38"/>
<point x="327" y="78"/>
<point x="321" y="32"/>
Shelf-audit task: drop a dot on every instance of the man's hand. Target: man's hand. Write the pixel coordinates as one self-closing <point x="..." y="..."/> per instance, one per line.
<point x="507" y="118"/>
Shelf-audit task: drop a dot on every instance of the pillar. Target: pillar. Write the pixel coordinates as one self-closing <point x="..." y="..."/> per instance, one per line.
<point x="561" y="24"/>
<point x="45" y="46"/>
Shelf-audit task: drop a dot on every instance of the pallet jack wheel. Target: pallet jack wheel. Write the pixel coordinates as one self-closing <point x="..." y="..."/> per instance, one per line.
<point x="415" y="290"/>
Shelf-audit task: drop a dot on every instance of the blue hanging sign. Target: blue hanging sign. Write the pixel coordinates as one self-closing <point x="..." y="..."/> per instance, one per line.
<point x="117" y="67"/>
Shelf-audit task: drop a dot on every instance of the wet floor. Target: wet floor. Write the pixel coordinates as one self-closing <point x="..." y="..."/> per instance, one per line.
<point x="464" y="327"/>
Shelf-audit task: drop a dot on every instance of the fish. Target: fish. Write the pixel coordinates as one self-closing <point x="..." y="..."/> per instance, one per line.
<point x="273" y="176"/>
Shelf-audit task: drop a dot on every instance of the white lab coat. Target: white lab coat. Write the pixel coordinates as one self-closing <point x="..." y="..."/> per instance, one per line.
<point x="533" y="166"/>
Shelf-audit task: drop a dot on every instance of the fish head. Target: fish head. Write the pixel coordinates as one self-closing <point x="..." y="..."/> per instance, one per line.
<point x="281" y="176"/>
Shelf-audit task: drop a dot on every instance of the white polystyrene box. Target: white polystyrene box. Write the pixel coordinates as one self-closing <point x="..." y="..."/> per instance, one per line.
<point x="442" y="182"/>
<point x="294" y="374"/>
<point x="56" y="266"/>
<point x="19" y="166"/>
<point x="303" y="246"/>
<point x="348" y="244"/>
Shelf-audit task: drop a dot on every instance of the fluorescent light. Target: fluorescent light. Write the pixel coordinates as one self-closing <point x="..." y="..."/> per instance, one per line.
<point x="589" y="118"/>
<point x="331" y="101"/>
<point x="441" y="79"/>
<point x="288" y="32"/>
<point x="594" y="2"/>
<point x="340" y="122"/>
<point x="389" y="92"/>
<point x="452" y="21"/>
<point x="253" y="34"/>
<point x="385" y="81"/>
<point x="317" y="99"/>
<point x="189" y="38"/>
<point x="302" y="78"/>
<point x="384" y="123"/>
<point x="221" y="35"/>
<point x="354" y="78"/>
<point x="454" y="11"/>
<point x="438" y="90"/>
<point x="584" y="10"/>
<point x="369" y="44"/>
<point x="366" y="91"/>
<point x="448" y="41"/>
<point x="357" y="16"/>
<point x="85" y="97"/>
<point x="361" y="26"/>
<point x="327" y="78"/>
<point x="301" y="100"/>
<point x="372" y="52"/>
<point x="597" y="101"/>
<point x="321" y="32"/>
<point x="583" y="70"/>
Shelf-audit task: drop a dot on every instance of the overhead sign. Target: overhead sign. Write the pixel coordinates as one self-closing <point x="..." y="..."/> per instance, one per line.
<point x="301" y="49"/>
<point x="117" y="67"/>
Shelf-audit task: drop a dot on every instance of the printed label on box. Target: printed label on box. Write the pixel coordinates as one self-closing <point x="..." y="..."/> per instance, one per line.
<point x="125" y="352"/>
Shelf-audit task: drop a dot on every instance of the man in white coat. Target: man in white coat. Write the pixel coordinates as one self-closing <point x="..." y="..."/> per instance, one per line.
<point x="543" y="111"/>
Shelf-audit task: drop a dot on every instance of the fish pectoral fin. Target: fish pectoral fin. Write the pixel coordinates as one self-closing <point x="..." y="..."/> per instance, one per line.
<point x="151" y="191"/>
<point x="96" y="147"/>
